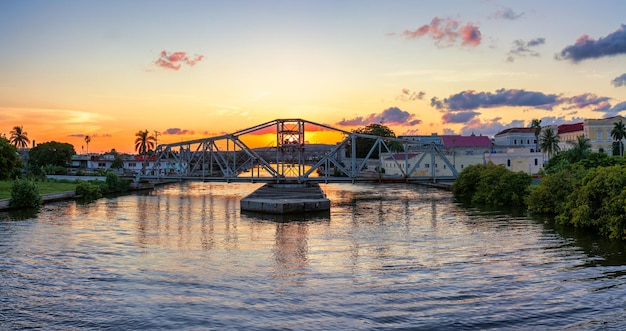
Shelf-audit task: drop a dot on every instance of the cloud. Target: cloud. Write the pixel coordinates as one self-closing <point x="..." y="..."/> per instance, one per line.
<point x="587" y="48"/>
<point x="470" y="100"/>
<point x="459" y="117"/>
<point x="585" y="100"/>
<point x="446" y="32"/>
<point x="523" y="48"/>
<point x="393" y="115"/>
<point x="488" y="127"/>
<point x="619" y="81"/>
<point x="408" y="95"/>
<point x="506" y="14"/>
<point x="614" y="110"/>
<point x="177" y="131"/>
<point x="175" y="60"/>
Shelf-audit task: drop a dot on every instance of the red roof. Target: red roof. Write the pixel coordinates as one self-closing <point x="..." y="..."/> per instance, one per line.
<point x="565" y="128"/>
<point x="466" y="141"/>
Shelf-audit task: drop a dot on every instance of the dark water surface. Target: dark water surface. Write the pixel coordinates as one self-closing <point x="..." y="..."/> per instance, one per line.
<point x="387" y="257"/>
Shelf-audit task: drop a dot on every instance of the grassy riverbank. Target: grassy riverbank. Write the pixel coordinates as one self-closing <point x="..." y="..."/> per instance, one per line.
<point x="44" y="187"/>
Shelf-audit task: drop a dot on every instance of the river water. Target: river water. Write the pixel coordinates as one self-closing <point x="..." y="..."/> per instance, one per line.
<point x="183" y="257"/>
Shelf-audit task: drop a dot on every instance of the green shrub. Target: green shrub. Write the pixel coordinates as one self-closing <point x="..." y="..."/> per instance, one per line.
<point x="115" y="184"/>
<point x="550" y="196"/>
<point x="492" y="185"/>
<point x="89" y="190"/>
<point x="25" y="193"/>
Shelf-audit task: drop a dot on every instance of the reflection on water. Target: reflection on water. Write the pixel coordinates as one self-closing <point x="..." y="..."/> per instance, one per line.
<point x="392" y="256"/>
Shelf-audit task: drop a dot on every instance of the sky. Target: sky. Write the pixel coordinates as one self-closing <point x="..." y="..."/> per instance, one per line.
<point x="185" y="70"/>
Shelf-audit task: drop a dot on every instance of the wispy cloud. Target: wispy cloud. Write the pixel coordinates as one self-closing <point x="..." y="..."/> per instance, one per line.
<point x="408" y="95"/>
<point x="524" y="48"/>
<point x="506" y="14"/>
<point x="619" y="81"/>
<point x="587" y="48"/>
<point x="177" y="132"/>
<point x="175" y="60"/>
<point x="95" y="135"/>
<point x="393" y="115"/>
<point x="447" y="32"/>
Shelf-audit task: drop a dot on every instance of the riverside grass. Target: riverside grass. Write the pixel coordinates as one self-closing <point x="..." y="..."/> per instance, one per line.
<point x="44" y="187"/>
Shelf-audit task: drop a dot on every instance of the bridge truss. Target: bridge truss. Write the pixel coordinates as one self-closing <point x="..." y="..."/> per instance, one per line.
<point x="290" y="158"/>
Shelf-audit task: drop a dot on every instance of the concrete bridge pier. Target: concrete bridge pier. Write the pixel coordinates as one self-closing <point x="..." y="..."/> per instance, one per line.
<point x="286" y="198"/>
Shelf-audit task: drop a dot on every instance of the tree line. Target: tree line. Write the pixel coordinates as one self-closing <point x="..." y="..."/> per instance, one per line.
<point x="578" y="187"/>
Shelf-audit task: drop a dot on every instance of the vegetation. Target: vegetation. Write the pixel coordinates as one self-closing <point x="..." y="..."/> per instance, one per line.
<point x="10" y="163"/>
<point x="25" y="193"/>
<point x="549" y="142"/>
<point x="618" y="133"/>
<point x="49" y="153"/>
<point x="536" y="125"/>
<point x="19" y="138"/>
<point x="87" y="141"/>
<point x="95" y="189"/>
<point x="491" y="184"/>
<point x="364" y="144"/>
<point x="144" y="142"/>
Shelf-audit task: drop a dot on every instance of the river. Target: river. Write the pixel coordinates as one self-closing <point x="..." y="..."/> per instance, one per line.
<point x="386" y="257"/>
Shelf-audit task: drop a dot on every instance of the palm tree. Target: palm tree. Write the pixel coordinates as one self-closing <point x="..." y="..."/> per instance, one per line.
<point x="549" y="142"/>
<point x="19" y="138"/>
<point x="87" y="141"/>
<point x="580" y="148"/>
<point x="144" y="142"/>
<point x="536" y="124"/>
<point x="618" y="133"/>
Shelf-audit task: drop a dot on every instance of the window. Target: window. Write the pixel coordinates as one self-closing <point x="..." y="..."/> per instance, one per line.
<point x="101" y="164"/>
<point x="132" y="164"/>
<point x="536" y="162"/>
<point x="427" y="165"/>
<point x="515" y="142"/>
<point x="599" y="136"/>
<point x="508" y="162"/>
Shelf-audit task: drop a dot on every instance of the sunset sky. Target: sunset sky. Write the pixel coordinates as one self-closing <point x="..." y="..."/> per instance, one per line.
<point x="193" y="69"/>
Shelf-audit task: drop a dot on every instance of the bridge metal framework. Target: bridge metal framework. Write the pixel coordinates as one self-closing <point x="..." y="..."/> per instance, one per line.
<point x="229" y="158"/>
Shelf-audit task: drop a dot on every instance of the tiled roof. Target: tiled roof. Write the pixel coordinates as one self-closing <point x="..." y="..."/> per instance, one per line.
<point x="565" y="128"/>
<point x="466" y="141"/>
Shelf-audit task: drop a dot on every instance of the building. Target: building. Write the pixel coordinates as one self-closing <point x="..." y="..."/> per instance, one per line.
<point x="598" y="131"/>
<point x="516" y="137"/>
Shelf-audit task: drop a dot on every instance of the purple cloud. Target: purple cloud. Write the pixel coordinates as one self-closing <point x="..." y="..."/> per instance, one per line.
<point x="523" y="48"/>
<point x="460" y="117"/>
<point x="619" y="81"/>
<point x="393" y="115"/>
<point x="587" y="48"/>
<point x="176" y="131"/>
<point x="470" y="100"/>
<point x="507" y="14"/>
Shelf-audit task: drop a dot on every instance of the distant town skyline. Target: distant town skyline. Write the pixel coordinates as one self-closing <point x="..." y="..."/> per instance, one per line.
<point x="194" y="69"/>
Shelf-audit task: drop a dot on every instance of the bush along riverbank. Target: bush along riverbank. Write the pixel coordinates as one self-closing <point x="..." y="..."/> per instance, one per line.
<point x="26" y="193"/>
<point x="588" y="194"/>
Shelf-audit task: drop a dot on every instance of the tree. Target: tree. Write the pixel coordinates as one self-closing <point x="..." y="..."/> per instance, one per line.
<point x="549" y="142"/>
<point x="536" y="125"/>
<point x="50" y="153"/>
<point x="365" y="144"/>
<point x="19" y="138"/>
<point x="10" y="163"/>
<point x="87" y="141"/>
<point x="581" y="148"/>
<point x="144" y="142"/>
<point x="618" y="133"/>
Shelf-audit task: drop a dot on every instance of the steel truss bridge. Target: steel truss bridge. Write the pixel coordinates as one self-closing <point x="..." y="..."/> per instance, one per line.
<point x="290" y="158"/>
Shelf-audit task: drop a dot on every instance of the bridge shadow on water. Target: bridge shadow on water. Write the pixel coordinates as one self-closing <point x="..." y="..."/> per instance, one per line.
<point x="320" y="216"/>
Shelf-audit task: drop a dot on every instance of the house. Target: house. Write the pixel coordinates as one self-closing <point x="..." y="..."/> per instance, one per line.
<point x="516" y="137"/>
<point x="598" y="131"/>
